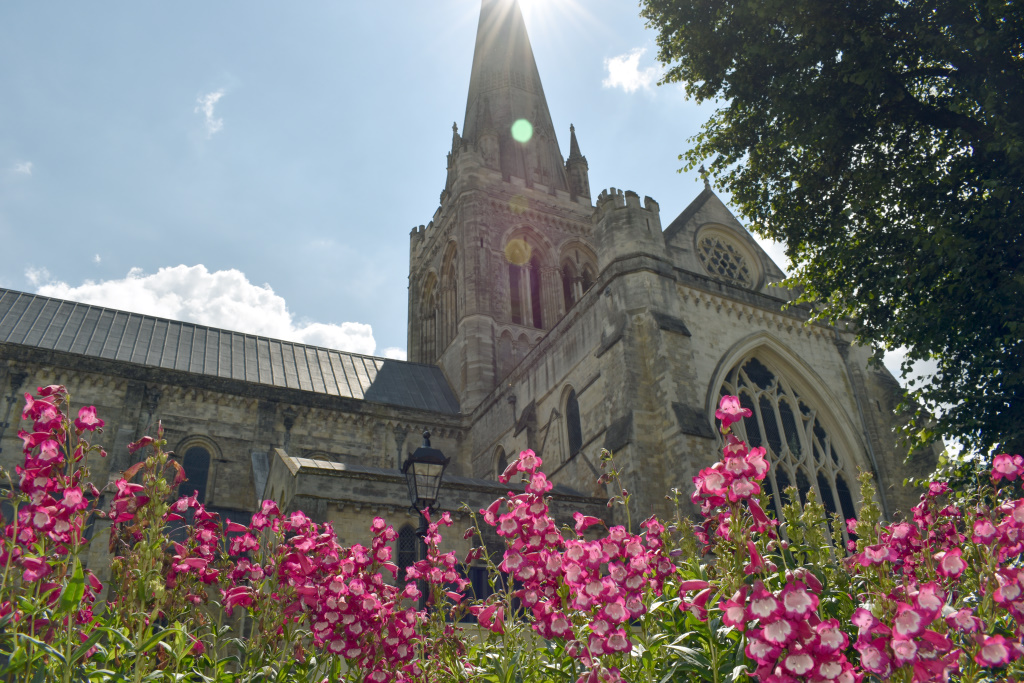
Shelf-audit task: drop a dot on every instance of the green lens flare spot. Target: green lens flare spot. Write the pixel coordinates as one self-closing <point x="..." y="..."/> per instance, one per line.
<point x="522" y="131"/>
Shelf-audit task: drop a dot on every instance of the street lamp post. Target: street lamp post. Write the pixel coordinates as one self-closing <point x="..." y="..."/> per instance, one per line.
<point x="423" y="471"/>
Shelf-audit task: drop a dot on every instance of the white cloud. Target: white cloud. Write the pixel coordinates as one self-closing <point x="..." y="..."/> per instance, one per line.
<point x="624" y="72"/>
<point x="395" y="353"/>
<point x="35" y="276"/>
<point x="224" y="298"/>
<point x="205" y="107"/>
<point x="96" y="258"/>
<point x="23" y="167"/>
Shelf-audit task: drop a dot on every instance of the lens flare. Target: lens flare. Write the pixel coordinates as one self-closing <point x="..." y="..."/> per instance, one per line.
<point x="522" y="131"/>
<point x="518" y="205"/>
<point x="518" y="252"/>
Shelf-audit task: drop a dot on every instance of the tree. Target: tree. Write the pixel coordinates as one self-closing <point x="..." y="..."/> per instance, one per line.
<point x="882" y="141"/>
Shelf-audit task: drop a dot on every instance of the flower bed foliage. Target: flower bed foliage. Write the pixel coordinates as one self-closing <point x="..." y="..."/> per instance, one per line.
<point x="733" y="596"/>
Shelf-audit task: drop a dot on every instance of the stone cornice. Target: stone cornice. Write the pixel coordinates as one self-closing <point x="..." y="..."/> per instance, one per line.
<point x="102" y="372"/>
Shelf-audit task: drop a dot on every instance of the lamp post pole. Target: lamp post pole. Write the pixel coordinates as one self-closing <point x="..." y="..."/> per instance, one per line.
<point x="423" y="471"/>
<point x="421" y="533"/>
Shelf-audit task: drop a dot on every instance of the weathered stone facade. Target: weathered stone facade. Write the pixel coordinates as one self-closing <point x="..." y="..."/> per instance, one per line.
<point x="559" y="323"/>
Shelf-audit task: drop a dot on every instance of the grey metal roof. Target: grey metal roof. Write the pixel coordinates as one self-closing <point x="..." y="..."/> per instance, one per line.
<point x="39" y="321"/>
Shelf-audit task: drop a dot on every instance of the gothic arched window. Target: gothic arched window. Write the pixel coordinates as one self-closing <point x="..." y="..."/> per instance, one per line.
<point x="792" y="431"/>
<point x="568" y="285"/>
<point x="196" y="463"/>
<point x="525" y="293"/>
<point x="407" y="550"/>
<point x="504" y="354"/>
<point x="500" y="461"/>
<point x="572" y="423"/>
<point x="577" y="273"/>
<point x="448" y="304"/>
<point x="587" y="278"/>
<point x="428" y="320"/>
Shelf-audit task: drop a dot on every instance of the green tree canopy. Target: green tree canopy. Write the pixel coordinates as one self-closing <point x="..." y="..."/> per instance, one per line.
<point x="882" y="141"/>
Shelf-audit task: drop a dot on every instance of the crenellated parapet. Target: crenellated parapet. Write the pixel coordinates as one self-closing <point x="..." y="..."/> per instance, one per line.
<point x="625" y="227"/>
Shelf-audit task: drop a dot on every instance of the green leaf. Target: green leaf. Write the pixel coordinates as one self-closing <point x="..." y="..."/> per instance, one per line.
<point x="71" y="596"/>
<point x="86" y="646"/>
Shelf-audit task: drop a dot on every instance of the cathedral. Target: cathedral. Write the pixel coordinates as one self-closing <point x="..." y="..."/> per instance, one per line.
<point x="542" y="315"/>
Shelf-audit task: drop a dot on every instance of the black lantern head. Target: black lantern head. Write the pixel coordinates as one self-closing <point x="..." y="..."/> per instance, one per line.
<point x="423" y="472"/>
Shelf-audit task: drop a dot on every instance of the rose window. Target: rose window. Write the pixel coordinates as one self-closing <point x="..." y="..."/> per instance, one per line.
<point x="724" y="261"/>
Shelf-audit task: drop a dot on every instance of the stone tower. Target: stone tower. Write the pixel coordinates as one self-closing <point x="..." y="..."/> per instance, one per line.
<point x="510" y="248"/>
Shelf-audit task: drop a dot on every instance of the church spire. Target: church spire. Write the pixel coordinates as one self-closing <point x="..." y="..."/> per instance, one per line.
<point x="577" y="169"/>
<point x="505" y="88"/>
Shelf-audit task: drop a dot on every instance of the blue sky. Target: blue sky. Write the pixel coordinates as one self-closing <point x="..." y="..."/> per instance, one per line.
<point x="258" y="166"/>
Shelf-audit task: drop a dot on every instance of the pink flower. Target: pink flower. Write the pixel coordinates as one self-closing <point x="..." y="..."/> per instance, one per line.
<point x="984" y="532"/>
<point x="994" y="651"/>
<point x="1006" y="466"/>
<point x="756" y="561"/>
<point x="742" y="489"/>
<point x="964" y="620"/>
<point x="539" y="484"/>
<point x="904" y="650"/>
<point x="730" y="411"/>
<point x="950" y="563"/>
<point x="529" y="462"/>
<point x="763" y="604"/>
<point x="35" y="568"/>
<point x="140" y="444"/>
<point x="87" y="420"/>
<point x="757" y="459"/>
<point x="240" y="596"/>
<point x="909" y="621"/>
<point x="798" y="663"/>
<point x="831" y="638"/>
<point x="797" y="601"/>
<point x="734" y="611"/>
<point x="873" y="657"/>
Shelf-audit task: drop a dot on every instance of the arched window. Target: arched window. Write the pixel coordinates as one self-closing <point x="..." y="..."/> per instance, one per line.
<point x="448" y="304"/>
<point x="521" y="348"/>
<point x="587" y="278"/>
<point x="525" y="293"/>
<point x="504" y="354"/>
<point x="572" y="423"/>
<point x="500" y="461"/>
<point x="196" y="463"/>
<point x="407" y="550"/>
<point x="428" y="320"/>
<point x="568" y="284"/>
<point x="577" y="273"/>
<point x="792" y="431"/>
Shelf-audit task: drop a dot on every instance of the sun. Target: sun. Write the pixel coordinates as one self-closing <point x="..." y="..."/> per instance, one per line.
<point x="540" y="11"/>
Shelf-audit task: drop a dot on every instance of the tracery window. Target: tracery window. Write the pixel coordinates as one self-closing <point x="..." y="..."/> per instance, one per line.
<point x="791" y="430"/>
<point x="723" y="260"/>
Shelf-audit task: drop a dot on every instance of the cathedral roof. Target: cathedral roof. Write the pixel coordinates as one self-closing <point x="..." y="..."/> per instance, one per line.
<point x="504" y="87"/>
<point x="57" y="325"/>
